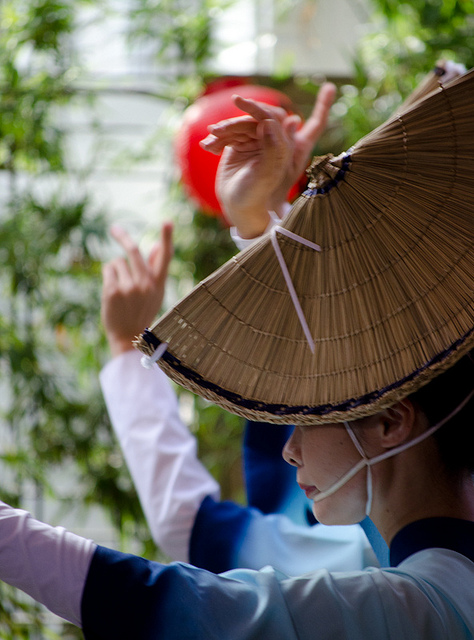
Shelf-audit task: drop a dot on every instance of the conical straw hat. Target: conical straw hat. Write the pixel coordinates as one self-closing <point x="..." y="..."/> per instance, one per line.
<point x="387" y="299"/>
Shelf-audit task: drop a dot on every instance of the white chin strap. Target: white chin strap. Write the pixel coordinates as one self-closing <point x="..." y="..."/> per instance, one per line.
<point x="365" y="462"/>
<point x="368" y="462"/>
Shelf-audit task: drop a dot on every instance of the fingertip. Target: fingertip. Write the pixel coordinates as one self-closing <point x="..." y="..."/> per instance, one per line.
<point x="328" y="90"/>
<point x="167" y="231"/>
<point x="240" y="100"/>
<point x="115" y="230"/>
<point x="119" y="234"/>
<point x="211" y="144"/>
<point x="208" y="140"/>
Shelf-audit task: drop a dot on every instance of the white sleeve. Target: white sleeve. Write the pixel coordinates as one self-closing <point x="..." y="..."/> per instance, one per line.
<point x="48" y="563"/>
<point x="243" y="243"/>
<point x="160" y="452"/>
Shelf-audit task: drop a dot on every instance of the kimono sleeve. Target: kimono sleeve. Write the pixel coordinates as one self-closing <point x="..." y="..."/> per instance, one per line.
<point x="129" y="597"/>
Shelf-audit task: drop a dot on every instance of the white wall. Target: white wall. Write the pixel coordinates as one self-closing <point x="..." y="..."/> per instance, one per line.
<point x="302" y="37"/>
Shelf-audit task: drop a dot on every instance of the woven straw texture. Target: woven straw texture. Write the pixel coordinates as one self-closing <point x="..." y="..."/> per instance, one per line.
<point x="388" y="299"/>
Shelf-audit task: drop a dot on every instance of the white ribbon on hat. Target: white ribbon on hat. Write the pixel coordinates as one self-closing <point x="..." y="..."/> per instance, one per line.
<point x="148" y="361"/>
<point x="286" y="274"/>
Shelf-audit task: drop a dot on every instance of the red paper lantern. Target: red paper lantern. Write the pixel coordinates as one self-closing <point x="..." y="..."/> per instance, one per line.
<point x="198" y="167"/>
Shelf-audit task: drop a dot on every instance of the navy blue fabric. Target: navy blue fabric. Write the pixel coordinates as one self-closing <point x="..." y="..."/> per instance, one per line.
<point x="268" y="478"/>
<point x="217" y="534"/>
<point x="122" y="597"/>
<point x="442" y="533"/>
<point x="128" y="598"/>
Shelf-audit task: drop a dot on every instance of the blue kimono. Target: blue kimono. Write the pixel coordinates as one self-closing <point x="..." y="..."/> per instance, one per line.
<point x="427" y="593"/>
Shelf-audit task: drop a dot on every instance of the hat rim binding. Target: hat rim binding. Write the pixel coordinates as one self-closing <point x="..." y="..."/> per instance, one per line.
<point x="350" y="409"/>
<point x="366" y="404"/>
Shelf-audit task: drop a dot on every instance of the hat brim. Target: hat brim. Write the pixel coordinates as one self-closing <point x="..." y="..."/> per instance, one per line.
<point x="388" y="299"/>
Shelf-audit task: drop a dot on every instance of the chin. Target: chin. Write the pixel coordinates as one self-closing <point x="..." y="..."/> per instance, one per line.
<point x="325" y="514"/>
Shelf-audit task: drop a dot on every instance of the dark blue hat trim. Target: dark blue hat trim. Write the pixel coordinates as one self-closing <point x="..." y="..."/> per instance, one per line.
<point x="282" y="409"/>
<point x="332" y="183"/>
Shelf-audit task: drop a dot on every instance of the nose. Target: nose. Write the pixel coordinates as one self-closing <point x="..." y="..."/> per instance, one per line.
<point x="292" y="449"/>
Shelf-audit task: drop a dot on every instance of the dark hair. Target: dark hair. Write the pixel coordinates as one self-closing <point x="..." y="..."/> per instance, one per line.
<point x="438" y="399"/>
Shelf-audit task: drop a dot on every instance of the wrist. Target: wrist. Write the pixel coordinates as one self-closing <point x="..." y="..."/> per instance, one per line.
<point x="249" y="223"/>
<point x="279" y="204"/>
<point x="119" y="345"/>
<point x="279" y="213"/>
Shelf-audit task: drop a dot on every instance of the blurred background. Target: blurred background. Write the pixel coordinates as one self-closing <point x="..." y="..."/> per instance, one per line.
<point x="93" y="100"/>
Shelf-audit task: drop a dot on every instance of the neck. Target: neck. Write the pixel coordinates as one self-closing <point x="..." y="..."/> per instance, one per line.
<point x="412" y="495"/>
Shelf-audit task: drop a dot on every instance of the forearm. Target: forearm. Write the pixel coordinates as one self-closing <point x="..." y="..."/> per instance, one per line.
<point x="48" y="563"/>
<point x="160" y="452"/>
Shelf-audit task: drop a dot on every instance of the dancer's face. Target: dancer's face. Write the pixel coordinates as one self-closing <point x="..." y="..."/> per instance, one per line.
<point x="322" y="455"/>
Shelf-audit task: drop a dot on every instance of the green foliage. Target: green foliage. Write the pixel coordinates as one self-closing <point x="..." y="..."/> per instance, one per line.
<point x="180" y="29"/>
<point x="204" y="245"/>
<point x="404" y="42"/>
<point x="52" y="417"/>
<point x="17" y="615"/>
<point x="34" y="69"/>
<point x="179" y="34"/>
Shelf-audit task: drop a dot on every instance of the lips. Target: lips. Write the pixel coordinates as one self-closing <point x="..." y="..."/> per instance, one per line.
<point x="310" y="491"/>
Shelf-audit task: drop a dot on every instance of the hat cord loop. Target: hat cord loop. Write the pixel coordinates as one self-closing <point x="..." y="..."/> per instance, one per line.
<point x="286" y="274"/>
<point x="148" y="361"/>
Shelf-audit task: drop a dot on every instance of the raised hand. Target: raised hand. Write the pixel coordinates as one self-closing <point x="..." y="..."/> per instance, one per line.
<point x="263" y="154"/>
<point x="133" y="288"/>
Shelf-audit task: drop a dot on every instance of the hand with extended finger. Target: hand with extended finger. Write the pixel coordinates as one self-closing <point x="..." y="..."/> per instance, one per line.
<point x="133" y="288"/>
<point x="263" y="155"/>
<point x="304" y="138"/>
<point x="255" y="153"/>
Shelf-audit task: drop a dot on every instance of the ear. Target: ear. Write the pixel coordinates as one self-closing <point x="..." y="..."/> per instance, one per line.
<point x="396" y="424"/>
